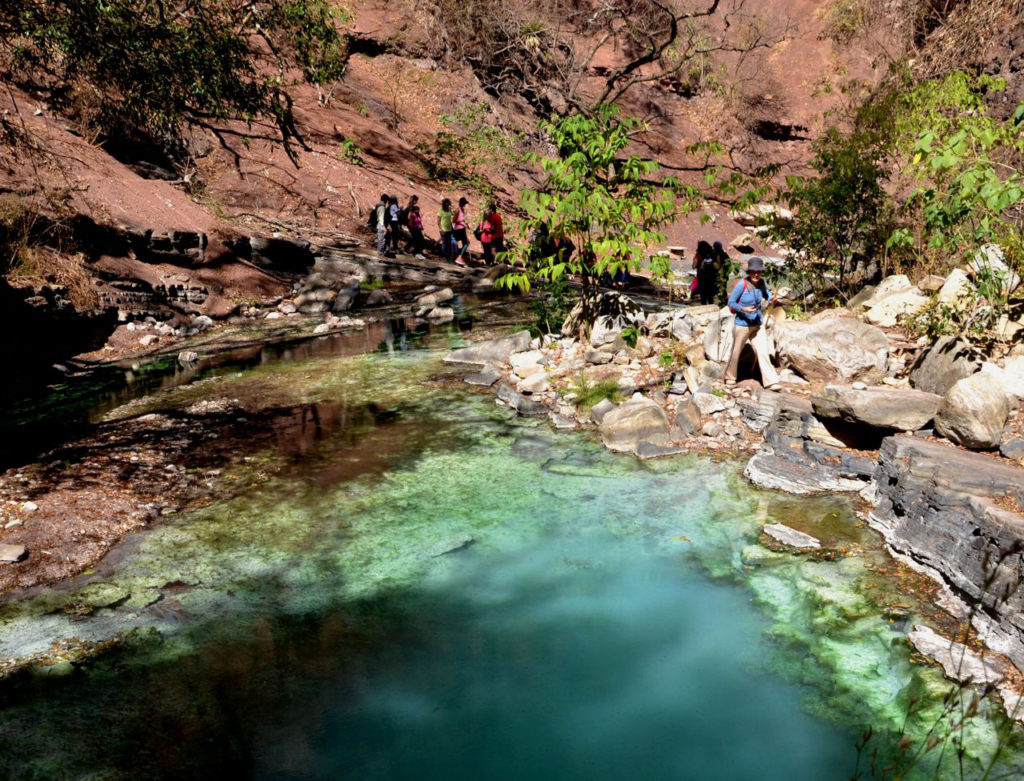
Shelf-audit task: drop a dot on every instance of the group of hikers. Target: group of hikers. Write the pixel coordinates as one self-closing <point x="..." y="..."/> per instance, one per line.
<point x="747" y="299"/>
<point x="394" y="224"/>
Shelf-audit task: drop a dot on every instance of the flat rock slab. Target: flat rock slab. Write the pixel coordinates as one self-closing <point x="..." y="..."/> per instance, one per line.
<point x="11" y="553"/>
<point x="791" y="537"/>
<point x="958" y="662"/>
<point x="768" y="470"/>
<point x="561" y="421"/>
<point x="519" y="402"/>
<point x="451" y="546"/>
<point x="645" y="450"/>
<point x="496" y="350"/>
<point x="885" y="408"/>
<point x="486" y="378"/>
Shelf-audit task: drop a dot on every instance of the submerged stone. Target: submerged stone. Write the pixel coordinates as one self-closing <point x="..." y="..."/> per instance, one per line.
<point x="791" y="537"/>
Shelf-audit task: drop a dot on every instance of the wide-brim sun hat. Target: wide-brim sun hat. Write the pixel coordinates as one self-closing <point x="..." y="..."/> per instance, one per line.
<point x="755" y="264"/>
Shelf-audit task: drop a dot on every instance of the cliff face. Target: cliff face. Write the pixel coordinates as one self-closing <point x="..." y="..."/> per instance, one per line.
<point x="957" y="515"/>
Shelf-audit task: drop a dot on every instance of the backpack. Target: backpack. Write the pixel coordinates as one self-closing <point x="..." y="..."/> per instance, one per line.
<point x="403" y="217"/>
<point x="371" y="221"/>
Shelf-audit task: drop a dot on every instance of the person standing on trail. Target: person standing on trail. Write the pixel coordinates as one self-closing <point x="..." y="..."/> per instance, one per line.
<point x="444" y="226"/>
<point x="415" y="223"/>
<point x="394" y="229"/>
<point x="747" y="301"/>
<point x="722" y="271"/>
<point x="707" y="271"/>
<point x="379" y="222"/>
<point x="492" y="233"/>
<point x="403" y="221"/>
<point x="459" y="232"/>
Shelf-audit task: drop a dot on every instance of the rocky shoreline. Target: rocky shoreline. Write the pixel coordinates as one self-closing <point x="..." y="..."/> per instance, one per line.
<point x="847" y="420"/>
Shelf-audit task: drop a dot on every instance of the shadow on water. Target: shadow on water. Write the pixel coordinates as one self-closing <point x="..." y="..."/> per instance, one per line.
<point x="37" y="416"/>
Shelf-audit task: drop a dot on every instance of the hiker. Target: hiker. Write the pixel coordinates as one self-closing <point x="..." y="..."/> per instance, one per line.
<point x="403" y="221"/>
<point x="749" y="297"/>
<point x="444" y="226"/>
<point x="707" y="272"/>
<point x="415" y="223"/>
<point x="459" y="232"/>
<point x="492" y="233"/>
<point x="394" y="229"/>
<point x="378" y="221"/>
<point x="722" y="271"/>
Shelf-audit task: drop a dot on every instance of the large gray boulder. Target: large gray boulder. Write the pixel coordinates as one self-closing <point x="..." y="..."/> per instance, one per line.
<point x="885" y="408"/>
<point x="718" y="337"/>
<point x="493" y="350"/>
<point x="688" y="418"/>
<point x="973" y="413"/>
<point x="636" y="421"/>
<point x="942" y="365"/>
<point x="841" y="348"/>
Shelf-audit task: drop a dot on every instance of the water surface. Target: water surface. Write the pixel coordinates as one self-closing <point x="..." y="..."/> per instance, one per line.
<point x="609" y="618"/>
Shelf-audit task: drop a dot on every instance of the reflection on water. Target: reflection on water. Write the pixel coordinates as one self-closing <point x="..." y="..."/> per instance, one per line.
<point x="33" y="420"/>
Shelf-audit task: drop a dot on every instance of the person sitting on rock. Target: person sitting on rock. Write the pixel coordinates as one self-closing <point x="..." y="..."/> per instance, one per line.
<point x="749" y="297"/>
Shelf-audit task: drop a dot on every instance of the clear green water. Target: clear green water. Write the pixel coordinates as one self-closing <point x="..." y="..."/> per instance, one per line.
<point x="611" y="619"/>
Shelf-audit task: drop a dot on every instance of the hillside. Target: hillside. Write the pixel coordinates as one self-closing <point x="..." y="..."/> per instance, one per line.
<point x="101" y="222"/>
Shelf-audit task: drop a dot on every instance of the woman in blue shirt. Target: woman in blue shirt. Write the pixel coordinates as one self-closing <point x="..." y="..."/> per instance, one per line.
<point x="749" y="297"/>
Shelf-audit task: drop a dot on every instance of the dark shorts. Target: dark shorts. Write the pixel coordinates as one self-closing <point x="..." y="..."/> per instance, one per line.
<point x="460" y="235"/>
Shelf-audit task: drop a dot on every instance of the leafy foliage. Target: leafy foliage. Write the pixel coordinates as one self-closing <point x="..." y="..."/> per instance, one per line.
<point x="175" y="61"/>
<point x="603" y="203"/>
<point x="551" y="307"/>
<point x="586" y="393"/>
<point x="969" y="173"/>
<point x="842" y="215"/>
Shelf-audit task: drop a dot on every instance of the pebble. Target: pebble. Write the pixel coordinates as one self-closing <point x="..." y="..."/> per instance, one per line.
<point x="29" y="507"/>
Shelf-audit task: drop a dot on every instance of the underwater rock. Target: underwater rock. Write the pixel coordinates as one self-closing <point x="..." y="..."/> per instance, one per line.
<point x="485" y="378"/>
<point x="492" y="350"/>
<point x="645" y="450"/>
<point x="960" y="663"/>
<point x="451" y="546"/>
<point x="519" y="402"/>
<point x="791" y="537"/>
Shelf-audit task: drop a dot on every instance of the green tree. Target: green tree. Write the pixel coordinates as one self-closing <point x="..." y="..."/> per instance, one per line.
<point x="967" y="169"/>
<point x="606" y="203"/>
<point x="842" y="215"/>
<point x="143" y="69"/>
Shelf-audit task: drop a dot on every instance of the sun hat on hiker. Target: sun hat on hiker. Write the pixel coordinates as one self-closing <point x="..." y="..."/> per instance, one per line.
<point x="755" y="264"/>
